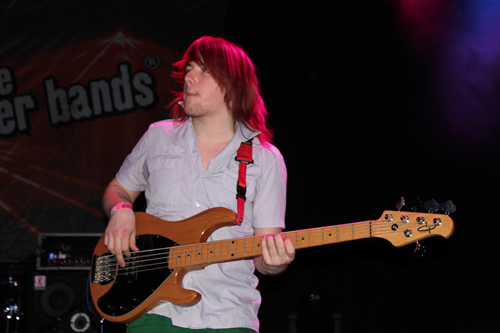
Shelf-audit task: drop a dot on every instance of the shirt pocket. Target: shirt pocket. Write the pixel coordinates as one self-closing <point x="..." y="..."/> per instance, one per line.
<point x="165" y="161"/>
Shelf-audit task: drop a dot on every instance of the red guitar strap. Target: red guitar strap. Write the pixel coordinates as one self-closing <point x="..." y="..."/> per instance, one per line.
<point x="244" y="156"/>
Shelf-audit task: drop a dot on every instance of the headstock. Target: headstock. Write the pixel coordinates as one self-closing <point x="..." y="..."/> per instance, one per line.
<point x="402" y="228"/>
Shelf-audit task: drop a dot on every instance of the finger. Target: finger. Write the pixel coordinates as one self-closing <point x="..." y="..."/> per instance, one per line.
<point x="265" y="250"/>
<point x="120" y="259"/>
<point x="125" y="247"/>
<point x="133" y="245"/>
<point x="124" y="251"/>
<point x="279" y="245"/>
<point x="272" y="248"/>
<point x="276" y="249"/>
<point x="290" y="249"/>
<point x="108" y="242"/>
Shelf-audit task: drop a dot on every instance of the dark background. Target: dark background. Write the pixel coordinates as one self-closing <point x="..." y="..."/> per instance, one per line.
<point x="371" y="100"/>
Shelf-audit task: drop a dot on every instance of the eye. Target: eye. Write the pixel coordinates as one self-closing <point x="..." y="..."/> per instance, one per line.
<point x="203" y="69"/>
<point x="189" y="66"/>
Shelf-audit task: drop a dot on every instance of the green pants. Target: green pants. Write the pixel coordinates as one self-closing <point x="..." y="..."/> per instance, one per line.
<point x="158" y="324"/>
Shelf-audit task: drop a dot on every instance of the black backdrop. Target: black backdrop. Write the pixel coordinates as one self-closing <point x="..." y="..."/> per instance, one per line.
<point x="369" y="103"/>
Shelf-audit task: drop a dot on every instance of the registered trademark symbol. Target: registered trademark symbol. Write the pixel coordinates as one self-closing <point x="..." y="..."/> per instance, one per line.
<point x="152" y="61"/>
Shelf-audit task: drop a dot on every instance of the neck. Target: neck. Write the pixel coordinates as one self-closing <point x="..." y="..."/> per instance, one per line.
<point x="212" y="136"/>
<point x="214" y="129"/>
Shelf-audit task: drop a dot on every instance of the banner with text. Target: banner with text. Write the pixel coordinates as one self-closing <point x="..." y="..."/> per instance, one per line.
<point x="68" y="118"/>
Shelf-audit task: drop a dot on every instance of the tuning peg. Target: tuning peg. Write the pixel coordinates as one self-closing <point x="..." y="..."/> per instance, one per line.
<point x="416" y="205"/>
<point x="400" y="204"/>
<point x="431" y="206"/>
<point x="448" y="207"/>
<point x="419" y="251"/>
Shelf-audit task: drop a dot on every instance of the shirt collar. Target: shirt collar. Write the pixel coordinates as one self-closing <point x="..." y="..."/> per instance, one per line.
<point x="243" y="132"/>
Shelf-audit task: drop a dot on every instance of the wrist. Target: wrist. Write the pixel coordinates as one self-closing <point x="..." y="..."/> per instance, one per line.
<point x="276" y="270"/>
<point x="120" y="206"/>
<point x="267" y="269"/>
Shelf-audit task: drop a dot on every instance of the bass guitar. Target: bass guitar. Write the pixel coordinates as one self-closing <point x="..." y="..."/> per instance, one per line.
<point x="169" y="250"/>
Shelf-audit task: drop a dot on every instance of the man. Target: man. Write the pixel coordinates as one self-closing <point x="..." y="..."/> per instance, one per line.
<point x="187" y="165"/>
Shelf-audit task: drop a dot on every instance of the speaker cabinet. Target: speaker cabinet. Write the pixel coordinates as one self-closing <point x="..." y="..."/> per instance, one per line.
<point x="61" y="303"/>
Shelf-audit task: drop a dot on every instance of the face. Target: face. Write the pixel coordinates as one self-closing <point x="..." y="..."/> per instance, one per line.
<point x="202" y="95"/>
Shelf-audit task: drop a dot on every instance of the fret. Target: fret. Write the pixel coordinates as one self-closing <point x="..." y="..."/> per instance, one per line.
<point x="232" y="249"/>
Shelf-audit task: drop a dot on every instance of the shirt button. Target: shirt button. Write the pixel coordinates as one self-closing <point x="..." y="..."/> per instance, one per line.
<point x="197" y="204"/>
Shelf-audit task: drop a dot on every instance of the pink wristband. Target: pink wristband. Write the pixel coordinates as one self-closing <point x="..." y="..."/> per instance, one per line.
<point x="120" y="206"/>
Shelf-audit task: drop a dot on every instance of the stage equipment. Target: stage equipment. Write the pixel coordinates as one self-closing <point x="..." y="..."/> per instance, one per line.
<point x="66" y="251"/>
<point x="59" y="303"/>
<point x="12" y="299"/>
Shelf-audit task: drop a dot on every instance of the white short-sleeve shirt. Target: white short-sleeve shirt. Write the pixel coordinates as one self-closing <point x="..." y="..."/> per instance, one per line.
<point x="166" y="165"/>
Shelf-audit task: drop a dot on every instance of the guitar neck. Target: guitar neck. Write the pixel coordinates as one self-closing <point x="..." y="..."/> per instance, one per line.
<point x="247" y="247"/>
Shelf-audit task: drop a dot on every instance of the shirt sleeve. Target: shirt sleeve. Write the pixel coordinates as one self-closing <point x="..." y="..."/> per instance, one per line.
<point x="133" y="173"/>
<point x="270" y="200"/>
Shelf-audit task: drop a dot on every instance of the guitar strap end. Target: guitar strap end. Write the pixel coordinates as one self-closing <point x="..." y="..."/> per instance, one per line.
<point x="241" y="208"/>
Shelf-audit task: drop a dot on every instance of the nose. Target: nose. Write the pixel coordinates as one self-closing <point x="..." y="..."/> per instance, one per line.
<point x="188" y="78"/>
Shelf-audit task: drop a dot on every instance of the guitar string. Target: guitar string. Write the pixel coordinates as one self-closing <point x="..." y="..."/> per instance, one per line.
<point x="143" y="259"/>
<point x="140" y="268"/>
<point x="313" y="233"/>
<point x="315" y="236"/>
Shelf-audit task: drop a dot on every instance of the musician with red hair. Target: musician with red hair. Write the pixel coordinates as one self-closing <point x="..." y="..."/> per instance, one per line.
<point x="187" y="165"/>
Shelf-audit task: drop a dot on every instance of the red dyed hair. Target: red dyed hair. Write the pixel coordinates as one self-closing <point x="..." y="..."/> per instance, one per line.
<point x="235" y="73"/>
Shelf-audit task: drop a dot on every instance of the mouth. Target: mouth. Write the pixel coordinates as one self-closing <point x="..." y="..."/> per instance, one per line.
<point x="188" y="93"/>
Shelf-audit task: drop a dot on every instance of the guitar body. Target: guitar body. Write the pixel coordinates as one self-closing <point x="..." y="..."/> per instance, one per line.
<point x="124" y="294"/>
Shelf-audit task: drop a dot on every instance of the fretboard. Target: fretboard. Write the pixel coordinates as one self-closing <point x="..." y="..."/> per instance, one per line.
<point x="247" y="247"/>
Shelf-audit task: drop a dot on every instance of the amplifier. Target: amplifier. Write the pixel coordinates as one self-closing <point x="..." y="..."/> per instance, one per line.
<point x="66" y="251"/>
